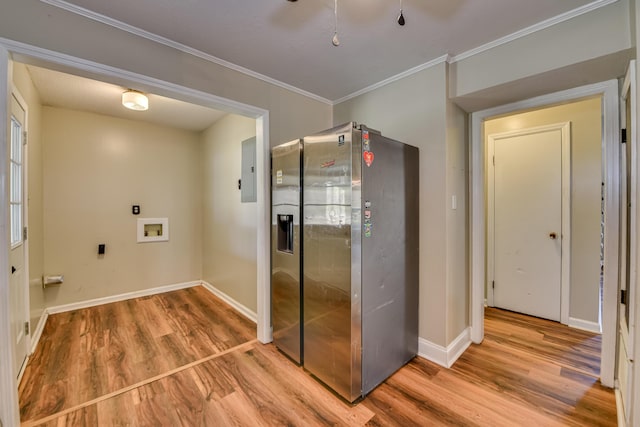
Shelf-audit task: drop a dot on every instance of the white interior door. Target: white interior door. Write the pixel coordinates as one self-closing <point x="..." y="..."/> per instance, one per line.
<point x="18" y="288"/>
<point x="628" y="243"/>
<point x="526" y="220"/>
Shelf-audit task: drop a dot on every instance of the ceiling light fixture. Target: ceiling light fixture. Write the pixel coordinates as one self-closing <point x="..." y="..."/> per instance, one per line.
<point x="401" y="16"/>
<point x="134" y="100"/>
<point x="335" y="41"/>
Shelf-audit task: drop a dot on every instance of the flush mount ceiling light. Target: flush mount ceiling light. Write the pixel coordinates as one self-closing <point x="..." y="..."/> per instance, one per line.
<point x="134" y="100"/>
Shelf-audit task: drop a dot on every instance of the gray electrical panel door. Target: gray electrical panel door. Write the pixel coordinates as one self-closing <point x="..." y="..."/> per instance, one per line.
<point x="248" y="183"/>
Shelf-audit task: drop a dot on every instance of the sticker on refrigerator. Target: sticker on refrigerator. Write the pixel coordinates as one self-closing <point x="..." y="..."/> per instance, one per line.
<point x="328" y="164"/>
<point x="365" y="140"/>
<point x="367" y="229"/>
<point x="340" y="140"/>
<point x="368" y="158"/>
<point x="367" y="214"/>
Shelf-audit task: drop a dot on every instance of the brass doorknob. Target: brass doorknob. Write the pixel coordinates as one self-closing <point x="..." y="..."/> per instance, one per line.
<point x="553" y="235"/>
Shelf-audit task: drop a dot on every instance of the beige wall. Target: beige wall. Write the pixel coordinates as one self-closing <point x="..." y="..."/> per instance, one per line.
<point x="290" y="114"/>
<point x="457" y="181"/>
<point x="22" y="80"/>
<point x="582" y="50"/>
<point x="229" y="232"/>
<point x="586" y="179"/>
<point x="95" y="168"/>
<point x="415" y="110"/>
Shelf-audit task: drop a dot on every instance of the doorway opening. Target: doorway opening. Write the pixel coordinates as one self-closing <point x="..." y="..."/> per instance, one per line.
<point x="52" y="60"/>
<point x="605" y="94"/>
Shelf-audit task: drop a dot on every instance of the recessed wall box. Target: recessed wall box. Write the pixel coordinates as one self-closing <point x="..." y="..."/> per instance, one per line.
<point x="153" y="230"/>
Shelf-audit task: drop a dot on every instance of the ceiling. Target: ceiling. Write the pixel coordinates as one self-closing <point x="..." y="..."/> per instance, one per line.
<point x="62" y="90"/>
<point x="290" y="42"/>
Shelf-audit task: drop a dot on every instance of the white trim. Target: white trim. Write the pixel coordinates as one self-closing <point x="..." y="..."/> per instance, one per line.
<point x="534" y="28"/>
<point x="240" y="308"/>
<point x="263" y="259"/>
<point x="610" y="104"/>
<point x="178" y="46"/>
<point x="445" y="356"/>
<point x="210" y="58"/>
<point x="503" y="40"/>
<point x="120" y="297"/>
<point x="625" y="348"/>
<point x="565" y="222"/>
<point x="9" y="412"/>
<point x="157" y="86"/>
<point x="25" y="221"/>
<point x="9" y="405"/>
<point x="400" y="76"/>
<point x="585" y="325"/>
<point x="37" y="332"/>
<point x="249" y="314"/>
<point x="619" y="407"/>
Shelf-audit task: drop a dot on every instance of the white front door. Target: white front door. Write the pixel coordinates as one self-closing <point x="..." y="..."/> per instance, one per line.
<point x="18" y="288"/>
<point x="526" y="220"/>
<point x="628" y="243"/>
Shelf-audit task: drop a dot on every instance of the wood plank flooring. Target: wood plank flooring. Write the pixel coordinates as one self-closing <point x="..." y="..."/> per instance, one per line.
<point x="527" y="372"/>
<point x="85" y="354"/>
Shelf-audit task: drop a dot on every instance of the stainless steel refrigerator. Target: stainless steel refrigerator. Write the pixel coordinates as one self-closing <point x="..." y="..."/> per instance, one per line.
<point x="345" y="290"/>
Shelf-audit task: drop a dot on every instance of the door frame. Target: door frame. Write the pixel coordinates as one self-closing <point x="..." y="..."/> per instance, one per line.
<point x="565" y="235"/>
<point x="628" y="336"/>
<point x="608" y="90"/>
<point x="9" y="410"/>
<point x="25" y="217"/>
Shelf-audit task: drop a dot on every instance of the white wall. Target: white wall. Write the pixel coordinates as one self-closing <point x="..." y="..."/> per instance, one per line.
<point x="22" y="80"/>
<point x="95" y="168"/>
<point x="229" y="232"/>
<point x="586" y="181"/>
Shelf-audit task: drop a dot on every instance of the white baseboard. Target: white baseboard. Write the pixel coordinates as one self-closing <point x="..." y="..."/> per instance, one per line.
<point x="445" y="356"/>
<point x="37" y="332"/>
<point x="585" y="325"/>
<point x="120" y="297"/>
<point x="242" y="309"/>
<point x="622" y="422"/>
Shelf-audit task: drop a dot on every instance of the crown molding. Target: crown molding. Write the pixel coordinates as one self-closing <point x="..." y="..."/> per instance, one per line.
<point x="178" y="46"/>
<point x="190" y="95"/>
<point x="534" y="28"/>
<point x="440" y="60"/>
<point x="62" y="4"/>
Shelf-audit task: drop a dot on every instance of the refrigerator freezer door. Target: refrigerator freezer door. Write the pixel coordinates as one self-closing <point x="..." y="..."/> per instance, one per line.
<point x="389" y="258"/>
<point x="286" y="249"/>
<point x="331" y="302"/>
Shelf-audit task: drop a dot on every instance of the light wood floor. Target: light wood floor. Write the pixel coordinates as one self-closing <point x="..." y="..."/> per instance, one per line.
<point x="185" y="358"/>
